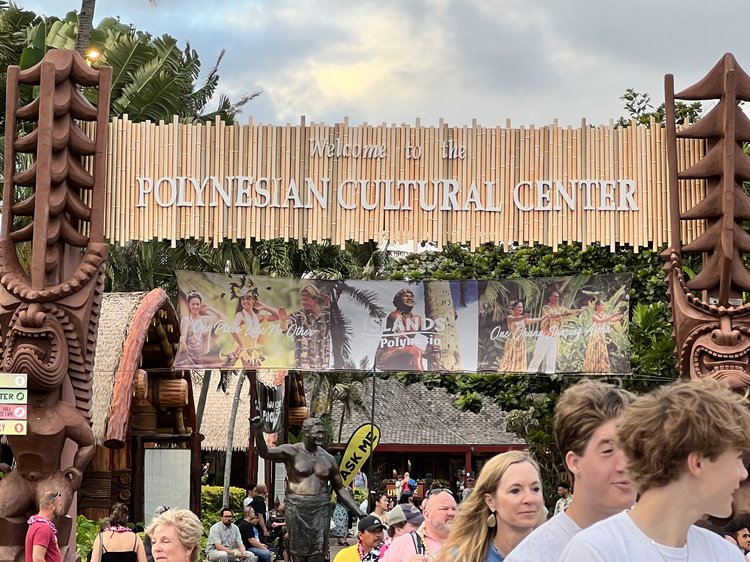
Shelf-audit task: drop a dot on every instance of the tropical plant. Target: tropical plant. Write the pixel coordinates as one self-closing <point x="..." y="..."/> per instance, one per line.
<point x="641" y="110"/>
<point x="86" y="532"/>
<point x="330" y="388"/>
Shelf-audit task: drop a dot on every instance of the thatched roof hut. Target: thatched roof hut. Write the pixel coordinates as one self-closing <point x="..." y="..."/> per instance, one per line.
<point x="136" y="394"/>
<point x="407" y="415"/>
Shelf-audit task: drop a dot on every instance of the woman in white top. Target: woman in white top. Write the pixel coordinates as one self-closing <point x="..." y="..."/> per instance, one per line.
<point x="195" y="331"/>
<point x="684" y="443"/>
<point x="246" y="326"/>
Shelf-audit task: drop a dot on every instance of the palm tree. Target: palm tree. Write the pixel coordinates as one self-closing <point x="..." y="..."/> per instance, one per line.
<point x="438" y="303"/>
<point x="241" y="375"/>
<point x="86" y="24"/>
<point x="343" y="387"/>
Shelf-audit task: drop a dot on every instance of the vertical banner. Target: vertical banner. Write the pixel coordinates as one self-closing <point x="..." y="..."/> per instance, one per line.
<point x="359" y="448"/>
<point x="566" y="325"/>
<point x="269" y="386"/>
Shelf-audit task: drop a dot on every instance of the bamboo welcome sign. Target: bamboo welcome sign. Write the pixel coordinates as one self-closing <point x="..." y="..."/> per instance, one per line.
<point x="549" y="185"/>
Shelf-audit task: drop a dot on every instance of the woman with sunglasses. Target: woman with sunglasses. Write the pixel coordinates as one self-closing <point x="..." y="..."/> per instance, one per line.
<point x="501" y="511"/>
<point x="117" y="542"/>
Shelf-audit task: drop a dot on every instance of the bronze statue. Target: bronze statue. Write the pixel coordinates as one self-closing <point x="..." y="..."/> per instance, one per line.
<point x="309" y="469"/>
<point x="712" y="331"/>
<point x="49" y="308"/>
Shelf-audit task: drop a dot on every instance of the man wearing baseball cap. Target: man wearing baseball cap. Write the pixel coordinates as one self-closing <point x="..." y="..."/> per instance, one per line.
<point x="402" y="519"/>
<point x="369" y="539"/>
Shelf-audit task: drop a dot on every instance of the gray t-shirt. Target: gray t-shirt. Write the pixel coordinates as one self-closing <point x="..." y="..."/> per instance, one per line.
<point x="226" y="536"/>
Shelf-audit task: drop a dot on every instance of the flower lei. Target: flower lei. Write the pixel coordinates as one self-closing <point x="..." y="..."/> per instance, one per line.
<point x="119" y="529"/>
<point x="370" y="556"/>
<point x="427" y="552"/>
<point x="39" y="519"/>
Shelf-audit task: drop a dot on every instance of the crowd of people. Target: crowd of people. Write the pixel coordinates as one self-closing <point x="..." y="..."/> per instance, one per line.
<point x="650" y="475"/>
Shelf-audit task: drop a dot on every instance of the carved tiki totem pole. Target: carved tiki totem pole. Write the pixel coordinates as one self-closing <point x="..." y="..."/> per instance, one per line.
<point x="49" y="307"/>
<point x="712" y="332"/>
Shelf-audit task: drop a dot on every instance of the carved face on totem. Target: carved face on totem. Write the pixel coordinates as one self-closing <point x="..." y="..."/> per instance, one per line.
<point x="712" y="341"/>
<point x="36" y="345"/>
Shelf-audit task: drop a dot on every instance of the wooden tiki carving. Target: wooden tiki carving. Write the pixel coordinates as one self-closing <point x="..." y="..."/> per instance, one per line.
<point x="712" y="331"/>
<point x="49" y="306"/>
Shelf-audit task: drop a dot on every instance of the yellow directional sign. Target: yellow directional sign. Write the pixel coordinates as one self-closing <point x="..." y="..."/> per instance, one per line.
<point x="13" y="427"/>
<point x="13" y="395"/>
<point x="12" y="380"/>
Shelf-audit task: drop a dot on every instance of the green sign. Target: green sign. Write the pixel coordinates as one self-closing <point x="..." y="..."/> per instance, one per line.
<point x="11" y="396"/>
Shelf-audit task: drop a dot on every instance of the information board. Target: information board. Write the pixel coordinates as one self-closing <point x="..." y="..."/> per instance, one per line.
<point x="13" y="398"/>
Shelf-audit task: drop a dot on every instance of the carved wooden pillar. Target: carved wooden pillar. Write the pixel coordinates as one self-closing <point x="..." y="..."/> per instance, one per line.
<point x="711" y="324"/>
<point x="49" y="308"/>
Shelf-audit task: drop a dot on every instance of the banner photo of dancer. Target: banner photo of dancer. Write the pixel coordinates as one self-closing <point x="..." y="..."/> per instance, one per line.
<point x="562" y="325"/>
<point x="511" y="326"/>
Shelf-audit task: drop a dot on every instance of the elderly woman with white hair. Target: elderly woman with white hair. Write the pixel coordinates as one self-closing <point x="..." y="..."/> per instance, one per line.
<point x="175" y="536"/>
<point x="147" y="539"/>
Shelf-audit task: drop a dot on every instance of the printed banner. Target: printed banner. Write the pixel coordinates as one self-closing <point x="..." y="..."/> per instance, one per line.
<point x="562" y="325"/>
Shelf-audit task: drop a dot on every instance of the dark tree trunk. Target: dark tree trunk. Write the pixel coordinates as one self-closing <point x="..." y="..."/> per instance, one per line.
<point x="202" y="398"/>
<point x="85" y="25"/>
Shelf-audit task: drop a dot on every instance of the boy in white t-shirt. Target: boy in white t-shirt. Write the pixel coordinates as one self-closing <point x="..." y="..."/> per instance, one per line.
<point x="584" y="429"/>
<point x="684" y="443"/>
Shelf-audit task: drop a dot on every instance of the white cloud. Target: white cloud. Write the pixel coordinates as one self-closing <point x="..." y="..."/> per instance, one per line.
<point x="395" y="60"/>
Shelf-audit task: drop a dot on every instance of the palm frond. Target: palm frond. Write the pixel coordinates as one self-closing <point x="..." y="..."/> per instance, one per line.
<point x="363" y="297"/>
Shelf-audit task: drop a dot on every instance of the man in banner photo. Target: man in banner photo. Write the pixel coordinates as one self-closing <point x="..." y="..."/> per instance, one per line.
<point x="311" y="329"/>
<point x="563" y="325"/>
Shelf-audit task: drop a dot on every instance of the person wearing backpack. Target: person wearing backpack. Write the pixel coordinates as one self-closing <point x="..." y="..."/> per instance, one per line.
<point x="408" y="485"/>
<point x="427" y="541"/>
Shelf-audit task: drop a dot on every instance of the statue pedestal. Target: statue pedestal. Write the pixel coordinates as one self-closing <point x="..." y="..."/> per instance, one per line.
<point x="12" y="539"/>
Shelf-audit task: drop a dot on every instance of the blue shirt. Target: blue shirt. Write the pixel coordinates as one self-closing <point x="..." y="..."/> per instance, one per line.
<point x="493" y="555"/>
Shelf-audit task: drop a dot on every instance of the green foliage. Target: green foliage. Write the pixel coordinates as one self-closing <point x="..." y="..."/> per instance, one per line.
<point x="359" y="495"/>
<point x="211" y="497"/>
<point x="641" y="110"/>
<point x="86" y="531"/>
<point x="327" y="429"/>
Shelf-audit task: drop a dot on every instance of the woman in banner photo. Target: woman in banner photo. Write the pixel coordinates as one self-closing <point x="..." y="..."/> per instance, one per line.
<point x="596" y="357"/>
<point x="195" y="332"/>
<point x="246" y="325"/>
<point x="514" y="358"/>
<point x="397" y="350"/>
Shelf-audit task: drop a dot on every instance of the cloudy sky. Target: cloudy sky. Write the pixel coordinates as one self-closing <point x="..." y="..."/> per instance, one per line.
<point x="396" y="60"/>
